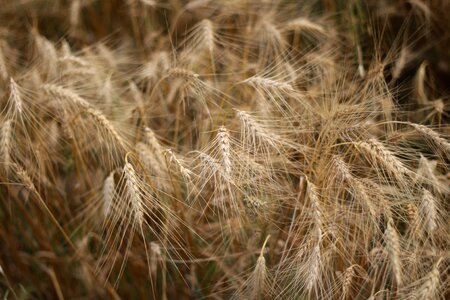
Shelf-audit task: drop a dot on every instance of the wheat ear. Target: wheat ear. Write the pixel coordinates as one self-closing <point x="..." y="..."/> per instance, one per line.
<point x="429" y="211"/>
<point x="356" y="186"/>
<point x="382" y="155"/>
<point x="186" y="173"/>
<point x="108" y="194"/>
<point x="429" y="133"/>
<point x="134" y="193"/>
<point x="260" y="275"/>
<point x="5" y="147"/>
<point x="268" y="83"/>
<point x="316" y="255"/>
<point x="349" y="274"/>
<point x="429" y="290"/>
<point x="223" y="137"/>
<point x="3" y="67"/>
<point x="301" y="24"/>
<point x="393" y="248"/>
<point x="183" y="73"/>
<point x="152" y="141"/>
<point x="98" y="116"/>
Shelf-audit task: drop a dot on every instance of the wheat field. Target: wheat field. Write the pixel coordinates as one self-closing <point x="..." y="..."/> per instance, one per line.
<point x="224" y="149"/>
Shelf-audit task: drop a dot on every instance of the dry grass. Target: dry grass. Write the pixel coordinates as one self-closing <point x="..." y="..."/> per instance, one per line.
<point x="224" y="149"/>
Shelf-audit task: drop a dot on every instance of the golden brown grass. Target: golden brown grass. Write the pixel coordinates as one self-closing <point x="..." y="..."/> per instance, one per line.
<point x="224" y="150"/>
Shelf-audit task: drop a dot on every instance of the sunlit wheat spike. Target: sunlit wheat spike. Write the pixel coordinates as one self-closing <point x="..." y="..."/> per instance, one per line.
<point x="413" y="216"/>
<point x="429" y="133"/>
<point x="342" y="168"/>
<point x="268" y="83"/>
<point x="423" y="8"/>
<point x="136" y="94"/>
<point x="315" y="205"/>
<point x="183" y="73"/>
<point x="101" y="119"/>
<point x="426" y="176"/>
<point x="430" y="288"/>
<point x="202" y="36"/>
<point x="15" y="97"/>
<point x="429" y="211"/>
<point x="98" y="116"/>
<point x="24" y="178"/>
<point x="70" y="73"/>
<point x="152" y="141"/>
<point x="357" y="188"/>
<point x="426" y="169"/>
<point x="152" y="163"/>
<point x="419" y="85"/>
<point x="257" y="285"/>
<point x="149" y="158"/>
<point x="394" y="250"/>
<point x="108" y="194"/>
<point x="75" y="13"/>
<point x="270" y="39"/>
<point x="6" y="144"/>
<point x="383" y="156"/>
<point x="260" y="275"/>
<point x="65" y="49"/>
<point x="74" y="60"/>
<point x="304" y="24"/>
<point x="402" y="61"/>
<point x="361" y="69"/>
<point x="223" y="138"/>
<point x="192" y="5"/>
<point x="65" y="94"/>
<point x="314" y="268"/>
<point x="298" y="119"/>
<point x="108" y="55"/>
<point x="255" y="132"/>
<point x="186" y="173"/>
<point x="315" y="258"/>
<point x="47" y="52"/>
<point x="349" y="275"/>
<point x="208" y="32"/>
<point x="255" y="205"/>
<point x="107" y="91"/>
<point x="134" y="193"/>
<point x="159" y="62"/>
<point x="3" y="67"/>
<point x="156" y="255"/>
